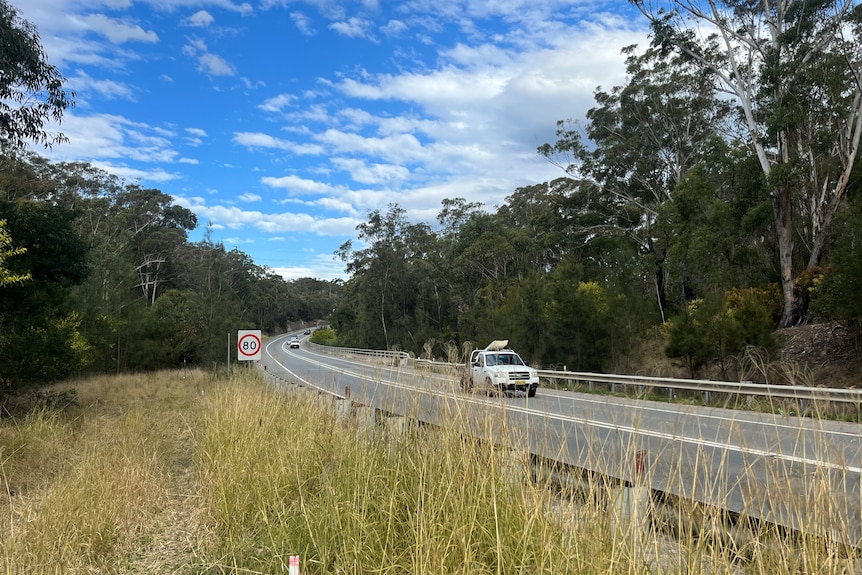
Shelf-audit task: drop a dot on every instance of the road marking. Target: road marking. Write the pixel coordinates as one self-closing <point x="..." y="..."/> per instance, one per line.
<point x="590" y="422"/>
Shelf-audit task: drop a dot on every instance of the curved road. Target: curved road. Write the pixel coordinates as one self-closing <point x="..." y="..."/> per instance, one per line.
<point x="798" y="472"/>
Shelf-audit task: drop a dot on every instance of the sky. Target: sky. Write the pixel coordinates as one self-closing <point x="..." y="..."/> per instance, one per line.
<point x="283" y="123"/>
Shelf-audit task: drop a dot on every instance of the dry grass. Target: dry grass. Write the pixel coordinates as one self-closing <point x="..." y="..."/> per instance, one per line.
<point x="180" y="473"/>
<point x="95" y="486"/>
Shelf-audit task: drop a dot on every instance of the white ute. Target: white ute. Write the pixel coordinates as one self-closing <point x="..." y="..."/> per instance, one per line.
<point x="497" y="369"/>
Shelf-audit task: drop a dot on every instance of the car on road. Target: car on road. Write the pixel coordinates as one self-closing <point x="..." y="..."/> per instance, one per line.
<point x="307" y="332"/>
<point x="498" y="370"/>
<point x="294" y="342"/>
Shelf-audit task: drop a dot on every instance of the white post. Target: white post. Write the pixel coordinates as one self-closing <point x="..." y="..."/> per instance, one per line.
<point x="631" y="504"/>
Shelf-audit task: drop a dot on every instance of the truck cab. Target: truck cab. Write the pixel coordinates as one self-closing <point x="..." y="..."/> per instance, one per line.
<point x="498" y="369"/>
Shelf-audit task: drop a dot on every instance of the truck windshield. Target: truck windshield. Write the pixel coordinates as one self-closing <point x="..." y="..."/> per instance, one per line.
<point x="504" y="359"/>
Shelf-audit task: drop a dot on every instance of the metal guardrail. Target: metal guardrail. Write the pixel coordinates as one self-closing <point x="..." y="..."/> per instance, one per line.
<point x="706" y="386"/>
<point x="390" y="356"/>
<point x="799" y="392"/>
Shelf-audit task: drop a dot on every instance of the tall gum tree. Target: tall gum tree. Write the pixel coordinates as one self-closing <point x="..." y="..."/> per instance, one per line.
<point x="793" y="69"/>
<point x="31" y="89"/>
<point x="645" y="136"/>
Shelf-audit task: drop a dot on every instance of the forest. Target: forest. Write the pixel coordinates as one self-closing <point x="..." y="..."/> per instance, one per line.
<point x="708" y="201"/>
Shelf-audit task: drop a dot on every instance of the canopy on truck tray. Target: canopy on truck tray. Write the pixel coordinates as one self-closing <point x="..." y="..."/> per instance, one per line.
<point x="497" y="345"/>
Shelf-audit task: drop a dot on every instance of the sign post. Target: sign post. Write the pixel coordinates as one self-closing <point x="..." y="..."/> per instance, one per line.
<point x="248" y="346"/>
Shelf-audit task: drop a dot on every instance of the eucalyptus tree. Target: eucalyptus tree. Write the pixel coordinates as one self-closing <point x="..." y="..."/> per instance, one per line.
<point x="31" y="89"/>
<point x="391" y="302"/>
<point x="793" y="69"/>
<point x="643" y="137"/>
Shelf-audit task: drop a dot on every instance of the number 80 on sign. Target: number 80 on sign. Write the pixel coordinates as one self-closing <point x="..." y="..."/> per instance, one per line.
<point x="248" y="346"/>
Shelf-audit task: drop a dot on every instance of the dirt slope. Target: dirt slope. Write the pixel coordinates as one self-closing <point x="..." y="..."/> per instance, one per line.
<point x="827" y="349"/>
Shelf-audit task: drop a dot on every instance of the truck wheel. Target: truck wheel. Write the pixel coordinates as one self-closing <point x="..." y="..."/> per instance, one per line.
<point x="531" y="392"/>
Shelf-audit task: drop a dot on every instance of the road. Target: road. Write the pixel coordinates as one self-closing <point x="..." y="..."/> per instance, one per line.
<point x="798" y="472"/>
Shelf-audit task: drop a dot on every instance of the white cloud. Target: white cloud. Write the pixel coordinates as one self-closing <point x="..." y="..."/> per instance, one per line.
<point x="395" y="148"/>
<point x="260" y="140"/>
<point x="249" y="197"/>
<point x="298" y="185"/>
<point x="134" y="174"/>
<point x="323" y="267"/>
<point x="394" y="28"/>
<point x="302" y="23"/>
<point x="277" y="103"/>
<point x="208" y="63"/>
<point x="200" y="19"/>
<point x="116" y="31"/>
<point x="237" y="218"/>
<point x="352" y="27"/>
<point x="214" y="65"/>
<point x="83" y="83"/>
<point x="365" y="173"/>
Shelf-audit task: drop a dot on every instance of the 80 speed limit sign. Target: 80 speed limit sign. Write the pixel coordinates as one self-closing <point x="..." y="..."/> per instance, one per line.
<point x="248" y="345"/>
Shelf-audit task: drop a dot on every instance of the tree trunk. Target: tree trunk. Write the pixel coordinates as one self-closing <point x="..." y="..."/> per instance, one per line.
<point x="791" y="312"/>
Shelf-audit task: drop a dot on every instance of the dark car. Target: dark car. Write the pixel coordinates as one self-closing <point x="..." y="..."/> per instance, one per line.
<point x="307" y="332"/>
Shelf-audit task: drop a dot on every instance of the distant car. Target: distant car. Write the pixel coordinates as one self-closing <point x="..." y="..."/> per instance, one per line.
<point x="307" y="332"/>
<point x="294" y="342"/>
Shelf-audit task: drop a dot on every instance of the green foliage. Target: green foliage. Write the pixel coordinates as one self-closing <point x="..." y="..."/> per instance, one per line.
<point x="31" y="89"/>
<point x="6" y="252"/>
<point x="171" y="332"/>
<point x="713" y="225"/>
<point x="716" y="330"/>
<point x="835" y="290"/>
<point x="578" y="331"/>
<point x="40" y="339"/>
<point x="323" y="336"/>
<point x="43" y="350"/>
<point x="113" y="284"/>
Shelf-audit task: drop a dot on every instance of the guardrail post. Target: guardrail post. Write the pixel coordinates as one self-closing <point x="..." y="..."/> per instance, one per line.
<point x="366" y="417"/>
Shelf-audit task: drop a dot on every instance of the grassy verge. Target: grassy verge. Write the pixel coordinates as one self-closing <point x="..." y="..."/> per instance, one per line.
<point x="180" y="473"/>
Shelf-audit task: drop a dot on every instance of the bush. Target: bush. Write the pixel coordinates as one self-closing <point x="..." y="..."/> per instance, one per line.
<point x="324" y="336"/>
<point x="717" y="330"/>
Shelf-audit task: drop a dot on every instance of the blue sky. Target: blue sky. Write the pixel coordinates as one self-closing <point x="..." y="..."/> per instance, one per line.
<point x="284" y="123"/>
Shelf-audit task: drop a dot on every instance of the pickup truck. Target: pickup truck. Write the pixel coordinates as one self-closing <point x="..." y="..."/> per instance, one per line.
<point x="498" y="370"/>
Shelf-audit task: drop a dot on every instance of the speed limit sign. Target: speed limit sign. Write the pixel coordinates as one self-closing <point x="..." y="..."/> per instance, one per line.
<point x="248" y="345"/>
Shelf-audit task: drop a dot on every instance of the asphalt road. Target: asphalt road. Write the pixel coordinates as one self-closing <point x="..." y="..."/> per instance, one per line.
<point x="798" y="472"/>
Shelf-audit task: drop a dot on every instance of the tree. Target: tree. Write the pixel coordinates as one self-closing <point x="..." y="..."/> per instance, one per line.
<point x="392" y="302"/>
<point x="31" y="89"/>
<point x="794" y="69"/>
<point x="6" y="252"/>
<point x="714" y="225"/>
<point x="646" y="135"/>
<point x="718" y="328"/>
<point x="40" y="340"/>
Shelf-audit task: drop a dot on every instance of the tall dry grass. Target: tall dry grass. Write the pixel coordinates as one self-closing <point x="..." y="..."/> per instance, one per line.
<point x="182" y="473"/>
<point x="92" y="487"/>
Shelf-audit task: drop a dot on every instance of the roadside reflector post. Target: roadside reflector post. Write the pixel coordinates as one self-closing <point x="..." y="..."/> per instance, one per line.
<point x="630" y="507"/>
<point x="640" y="466"/>
<point x="293" y="565"/>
